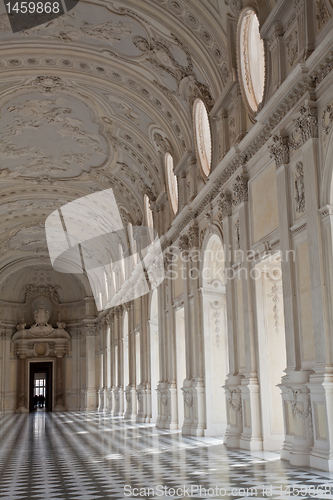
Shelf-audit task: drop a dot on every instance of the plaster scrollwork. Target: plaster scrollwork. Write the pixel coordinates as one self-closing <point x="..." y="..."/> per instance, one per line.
<point x="240" y="190"/>
<point x="190" y="90"/>
<point x="234" y="400"/>
<point x="280" y="150"/>
<point x="31" y="291"/>
<point x="299" y="188"/>
<point x="159" y="55"/>
<point x="163" y="144"/>
<point x="69" y="29"/>
<point x="236" y="5"/>
<point x="306" y="126"/>
<point x="48" y="84"/>
<point x="304" y="414"/>
<point x="327" y="119"/>
<point x="322" y="14"/>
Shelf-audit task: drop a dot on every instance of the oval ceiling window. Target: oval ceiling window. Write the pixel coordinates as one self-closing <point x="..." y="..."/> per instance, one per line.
<point x="172" y="183"/>
<point x="203" y="139"/>
<point x="251" y="60"/>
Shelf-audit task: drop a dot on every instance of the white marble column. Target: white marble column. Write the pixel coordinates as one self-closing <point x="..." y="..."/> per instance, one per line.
<point x="233" y="382"/>
<point x="90" y="393"/>
<point x="251" y="437"/>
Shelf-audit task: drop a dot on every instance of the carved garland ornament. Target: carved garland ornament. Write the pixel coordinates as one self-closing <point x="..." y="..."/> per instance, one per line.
<point x="296" y="411"/>
<point x="235" y="405"/>
<point x="299" y="188"/>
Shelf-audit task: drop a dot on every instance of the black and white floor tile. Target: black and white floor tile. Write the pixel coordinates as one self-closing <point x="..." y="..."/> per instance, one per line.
<point x="79" y="456"/>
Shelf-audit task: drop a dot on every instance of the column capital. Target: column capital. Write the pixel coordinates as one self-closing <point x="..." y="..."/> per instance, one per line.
<point x="224" y="203"/>
<point x="306" y="125"/>
<point x="280" y="149"/>
<point x="240" y="190"/>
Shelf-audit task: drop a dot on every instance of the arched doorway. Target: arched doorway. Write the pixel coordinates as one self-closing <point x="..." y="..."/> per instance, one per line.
<point x="215" y="335"/>
<point x="154" y="352"/>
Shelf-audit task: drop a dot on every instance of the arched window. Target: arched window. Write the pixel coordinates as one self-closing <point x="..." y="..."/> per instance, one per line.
<point x="251" y="60"/>
<point x="203" y="138"/>
<point x="172" y="183"/>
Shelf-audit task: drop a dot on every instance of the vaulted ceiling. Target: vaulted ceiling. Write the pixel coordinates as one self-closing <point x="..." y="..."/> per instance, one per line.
<point x="93" y="99"/>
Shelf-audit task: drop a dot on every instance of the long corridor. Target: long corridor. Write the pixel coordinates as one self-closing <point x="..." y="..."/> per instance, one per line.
<point x="82" y="456"/>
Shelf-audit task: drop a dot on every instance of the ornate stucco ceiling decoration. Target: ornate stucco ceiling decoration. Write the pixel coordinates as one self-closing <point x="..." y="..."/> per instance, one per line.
<point x="33" y="281"/>
<point x="54" y="136"/>
<point x="92" y="100"/>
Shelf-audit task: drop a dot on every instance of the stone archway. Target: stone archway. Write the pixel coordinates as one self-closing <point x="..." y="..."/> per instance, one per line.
<point x="44" y="343"/>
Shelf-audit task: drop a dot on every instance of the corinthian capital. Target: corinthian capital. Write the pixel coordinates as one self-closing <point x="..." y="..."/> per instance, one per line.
<point x="240" y="190"/>
<point x="193" y="236"/>
<point x="280" y="150"/>
<point x="306" y="126"/>
<point x="184" y="243"/>
<point x="225" y="205"/>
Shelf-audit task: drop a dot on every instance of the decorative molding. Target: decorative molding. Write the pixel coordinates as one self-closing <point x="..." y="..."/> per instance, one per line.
<point x="216" y="317"/>
<point x="298" y="228"/>
<point x="193" y="235"/>
<point x="188" y="397"/>
<point x="202" y="237"/>
<point x="299" y="188"/>
<point x="296" y="411"/>
<point x="224" y="203"/>
<point x="234" y="404"/>
<point x="327" y="119"/>
<point x="31" y="291"/>
<point x="184" y="244"/>
<point x="240" y="190"/>
<point x="306" y="126"/>
<point x="275" y="277"/>
<point x="322" y="14"/>
<point x="280" y="150"/>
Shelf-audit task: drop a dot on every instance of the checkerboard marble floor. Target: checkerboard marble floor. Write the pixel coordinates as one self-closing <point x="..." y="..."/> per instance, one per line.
<point x="91" y="456"/>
